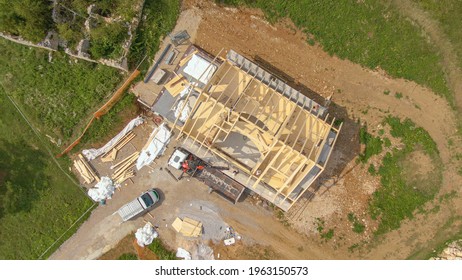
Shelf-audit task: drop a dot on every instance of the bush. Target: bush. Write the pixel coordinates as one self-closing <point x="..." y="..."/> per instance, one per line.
<point x="106" y="40"/>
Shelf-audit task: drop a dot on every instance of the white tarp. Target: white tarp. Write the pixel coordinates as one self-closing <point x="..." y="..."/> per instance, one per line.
<point x="183" y="254"/>
<point x="158" y="139"/>
<point x="182" y="113"/>
<point x="185" y="91"/>
<point x="104" y="189"/>
<point x="91" y="154"/>
<point x="145" y="235"/>
<point x="202" y="252"/>
<point x="199" y="69"/>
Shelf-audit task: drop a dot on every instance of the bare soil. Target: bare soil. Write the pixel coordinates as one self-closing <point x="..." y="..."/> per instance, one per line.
<point x="345" y="186"/>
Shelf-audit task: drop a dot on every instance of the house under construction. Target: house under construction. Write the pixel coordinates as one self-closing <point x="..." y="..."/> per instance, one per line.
<point x="232" y="112"/>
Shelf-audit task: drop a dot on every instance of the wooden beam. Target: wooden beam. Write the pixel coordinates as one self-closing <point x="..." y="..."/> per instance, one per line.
<point x="292" y="176"/>
<point x="325" y="139"/>
<point x="191" y="90"/>
<point x="209" y="96"/>
<point x="216" y="102"/>
<point x="267" y="167"/>
<point x="295" y="122"/>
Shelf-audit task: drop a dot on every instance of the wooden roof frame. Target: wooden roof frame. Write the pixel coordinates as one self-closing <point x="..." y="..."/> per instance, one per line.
<point x="278" y="145"/>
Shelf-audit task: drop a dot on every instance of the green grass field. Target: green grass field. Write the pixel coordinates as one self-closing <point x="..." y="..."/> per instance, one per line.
<point x="56" y="95"/>
<point x="38" y="203"/>
<point x="369" y="32"/>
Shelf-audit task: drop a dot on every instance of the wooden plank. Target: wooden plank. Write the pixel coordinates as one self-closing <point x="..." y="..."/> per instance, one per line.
<point x="110" y="156"/>
<point x="89" y="168"/>
<point x="125" y="160"/>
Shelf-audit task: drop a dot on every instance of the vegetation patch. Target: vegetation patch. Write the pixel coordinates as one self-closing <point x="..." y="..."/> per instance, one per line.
<point x="30" y="19"/>
<point x="402" y="192"/>
<point x="366" y="32"/>
<point x="282" y="218"/>
<point x="104" y="128"/>
<point x="323" y="233"/>
<point x="158" y="248"/>
<point x="373" y="145"/>
<point x="357" y="226"/>
<point x="128" y="257"/>
<point x="158" y="19"/>
<point x="38" y="203"/>
<point x="106" y="40"/>
<point x="56" y="95"/>
<point x="448" y="13"/>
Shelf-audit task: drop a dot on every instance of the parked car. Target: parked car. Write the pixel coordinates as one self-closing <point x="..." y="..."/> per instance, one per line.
<point x="139" y="205"/>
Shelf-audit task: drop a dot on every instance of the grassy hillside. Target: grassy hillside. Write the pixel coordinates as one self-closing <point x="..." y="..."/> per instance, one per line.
<point x="37" y="201"/>
<point x="449" y="14"/>
<point x="158" y="19"/>
<point x="56" y="95"/>
<point x="368" y="32"/>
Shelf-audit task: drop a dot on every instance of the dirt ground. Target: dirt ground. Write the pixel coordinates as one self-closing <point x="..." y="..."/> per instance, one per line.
<point x="344" y="187"/>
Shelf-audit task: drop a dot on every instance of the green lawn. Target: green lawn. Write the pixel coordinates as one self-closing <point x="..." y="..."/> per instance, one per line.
<point x="38" y="203"/>
<point x="56" y="95"/>
<point x="368" y="32"/>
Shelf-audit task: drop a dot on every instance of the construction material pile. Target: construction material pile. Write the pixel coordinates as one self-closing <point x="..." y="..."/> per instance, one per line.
<point x="183" y="254"/>
<point x="91" y="154"/>
<point x="112" y="153"/>
<point x="155" y="146"/>
<point x="188" y="227"/>
<point x="85" y="170"/>
<point x="145" y="235"/>
<point x="103" y="190"/>
<point x="124" y="169"/>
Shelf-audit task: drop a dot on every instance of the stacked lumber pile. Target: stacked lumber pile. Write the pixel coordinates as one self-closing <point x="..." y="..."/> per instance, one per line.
<point x="111" y="154"/>
<point x="85" y="170"/>
<point x="124" y="169"/>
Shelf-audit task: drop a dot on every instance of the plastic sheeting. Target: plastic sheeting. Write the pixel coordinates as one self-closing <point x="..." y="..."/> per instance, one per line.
<point x="103" y="190"/>
<point x="183" y="254"/>
<point x="91" y="154"/>
<point x="202" y="252"/>
<point x="184" y="113"/>
<point x="159" y="138"/>
<point x="199" y="69"/>
<point x="145" y="235"/>
<point x="185" y="91"/>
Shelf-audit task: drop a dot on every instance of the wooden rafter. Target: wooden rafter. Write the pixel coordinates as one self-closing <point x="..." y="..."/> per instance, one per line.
<point x="191" y="90"/>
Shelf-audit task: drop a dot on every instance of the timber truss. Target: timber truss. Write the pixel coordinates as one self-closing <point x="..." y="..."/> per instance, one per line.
<point x="293" y="135"/>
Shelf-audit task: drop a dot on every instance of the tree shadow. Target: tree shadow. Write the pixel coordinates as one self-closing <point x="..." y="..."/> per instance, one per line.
<point x="23" y="176"/>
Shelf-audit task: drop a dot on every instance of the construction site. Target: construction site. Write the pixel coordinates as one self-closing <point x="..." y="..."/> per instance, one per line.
<point x="222" y="120"/>
<point x="230" y="112"/>
<point x="247" y="159"/>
